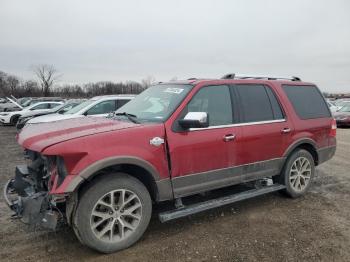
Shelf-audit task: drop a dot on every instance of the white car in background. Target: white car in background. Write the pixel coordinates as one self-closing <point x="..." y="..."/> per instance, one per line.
<point x="98" y="106"/>
<point x="332" y="107"/>
<point x="11" y="118"/>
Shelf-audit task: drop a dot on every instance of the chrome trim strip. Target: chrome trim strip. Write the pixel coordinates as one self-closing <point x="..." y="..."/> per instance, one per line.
<point x="240" y="124"/>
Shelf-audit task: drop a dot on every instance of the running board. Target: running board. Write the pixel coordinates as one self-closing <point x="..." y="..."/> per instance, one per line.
<point x="218" y="202"/>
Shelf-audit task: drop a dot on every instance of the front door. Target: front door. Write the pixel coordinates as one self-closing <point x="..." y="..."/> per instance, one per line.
<point x="202" y="157"/>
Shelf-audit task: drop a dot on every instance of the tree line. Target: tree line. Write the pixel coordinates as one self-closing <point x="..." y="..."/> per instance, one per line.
<point x="46" y="85"/>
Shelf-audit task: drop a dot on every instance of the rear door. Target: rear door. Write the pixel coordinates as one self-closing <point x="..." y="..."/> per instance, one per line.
<point x="265" y="130"/>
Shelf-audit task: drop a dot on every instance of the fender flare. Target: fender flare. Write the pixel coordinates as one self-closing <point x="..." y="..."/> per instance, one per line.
<point x="92" y="169"/>
<point x="299" y="142"/>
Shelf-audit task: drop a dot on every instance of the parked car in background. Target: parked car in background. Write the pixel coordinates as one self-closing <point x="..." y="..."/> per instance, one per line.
<point x="11" y="117"/>
<point x="343" y="116"/>
<point x="13" y="104"/>
<point x="2" y="100"/>
<point x="35" y="100"/>
<point x="99" y="106"/>
<point x="57" y="110"/>
<point x="173" y="141"/>
<point x="342" y="102"/>
<point x="332" y="106"/>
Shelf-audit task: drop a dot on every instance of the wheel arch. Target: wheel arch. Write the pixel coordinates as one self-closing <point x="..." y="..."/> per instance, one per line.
<point x="14" y="117"/>
<point x="158" y="188"/>
<point x="306" y="144"/>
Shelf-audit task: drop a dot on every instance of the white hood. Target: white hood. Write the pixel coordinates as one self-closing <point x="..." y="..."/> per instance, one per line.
<point x="52" y="118"/>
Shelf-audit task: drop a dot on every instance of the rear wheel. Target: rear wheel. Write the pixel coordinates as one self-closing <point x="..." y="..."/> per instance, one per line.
<point x="113" y="213"/>
<point x="298" y="173"/>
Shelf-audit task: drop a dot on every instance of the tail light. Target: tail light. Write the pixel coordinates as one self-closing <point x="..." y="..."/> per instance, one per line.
<point x="333" y="131"/>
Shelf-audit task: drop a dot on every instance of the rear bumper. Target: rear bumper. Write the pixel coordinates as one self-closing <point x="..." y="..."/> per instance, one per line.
<point x="33" y="208"/>
<point x="326" y="153"/>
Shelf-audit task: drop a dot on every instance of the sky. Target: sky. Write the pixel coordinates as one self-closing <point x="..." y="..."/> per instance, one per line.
<point x="89" y="41"/>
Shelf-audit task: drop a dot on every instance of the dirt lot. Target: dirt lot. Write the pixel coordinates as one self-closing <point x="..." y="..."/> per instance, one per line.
<point x="270" y="228"/>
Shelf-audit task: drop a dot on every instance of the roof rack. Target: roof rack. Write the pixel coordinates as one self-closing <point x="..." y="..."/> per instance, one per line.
<point x="236" y="76"/>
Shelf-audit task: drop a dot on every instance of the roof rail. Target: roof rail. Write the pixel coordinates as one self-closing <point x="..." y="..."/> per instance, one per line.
<point x="236" y="76"/>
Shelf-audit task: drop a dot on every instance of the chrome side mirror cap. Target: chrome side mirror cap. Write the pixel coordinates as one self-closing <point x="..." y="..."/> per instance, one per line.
<point x="195" y="120"/>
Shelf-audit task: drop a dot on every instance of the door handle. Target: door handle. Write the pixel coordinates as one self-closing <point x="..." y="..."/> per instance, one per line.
<point x="229" y="137"/>
<point x="285" y="130"/>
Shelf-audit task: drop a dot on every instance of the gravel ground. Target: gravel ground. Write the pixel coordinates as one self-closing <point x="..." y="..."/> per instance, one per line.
<point x="269" y="228"/>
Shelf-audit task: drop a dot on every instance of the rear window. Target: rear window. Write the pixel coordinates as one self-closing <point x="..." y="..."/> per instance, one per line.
<point x="307" y="101"/>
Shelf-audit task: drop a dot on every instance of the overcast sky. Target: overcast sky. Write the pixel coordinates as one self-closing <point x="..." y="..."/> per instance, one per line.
<point x="130" y="40"/>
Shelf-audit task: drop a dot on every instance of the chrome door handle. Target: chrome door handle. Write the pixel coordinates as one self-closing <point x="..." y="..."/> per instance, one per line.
<point x="229" y="137"/>
<point x="285" y="130"/>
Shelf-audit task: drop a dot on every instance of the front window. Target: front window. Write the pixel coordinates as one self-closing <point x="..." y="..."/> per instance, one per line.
<point x="103" y="107"/>
<point x="156" y="103"/>
<point x="214" y="100"/>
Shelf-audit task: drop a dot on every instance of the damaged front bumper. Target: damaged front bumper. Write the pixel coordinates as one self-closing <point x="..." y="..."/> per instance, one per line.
<point x="30" y="205"/>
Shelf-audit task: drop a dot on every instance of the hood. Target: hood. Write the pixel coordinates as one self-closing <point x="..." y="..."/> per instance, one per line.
<point x="51" y="118"/>
<point x="37" y="137"/>
<point x="14" y="102"/>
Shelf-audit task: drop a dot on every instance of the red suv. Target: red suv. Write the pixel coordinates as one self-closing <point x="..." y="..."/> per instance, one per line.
<point x="174" y="140"/>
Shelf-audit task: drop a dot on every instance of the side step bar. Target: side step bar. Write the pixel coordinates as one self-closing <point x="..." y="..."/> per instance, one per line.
<point x="203" y="206"/>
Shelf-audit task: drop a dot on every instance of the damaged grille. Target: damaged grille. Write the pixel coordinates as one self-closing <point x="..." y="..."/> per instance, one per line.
<point x="28" y="193"/>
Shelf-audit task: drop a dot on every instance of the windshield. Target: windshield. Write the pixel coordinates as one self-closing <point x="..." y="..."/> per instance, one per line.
<point x="345" y="109"/>
<point x="156" y="103"/>
<point x="79" y="107"/>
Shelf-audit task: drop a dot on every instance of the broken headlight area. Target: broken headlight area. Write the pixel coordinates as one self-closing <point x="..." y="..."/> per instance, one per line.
<point x="27" y="194"/>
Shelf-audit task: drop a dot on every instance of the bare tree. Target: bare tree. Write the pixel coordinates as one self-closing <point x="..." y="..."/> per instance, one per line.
<point x="146" y="82"/>
<point x="47" y="76"/>
<point x="13" y="84"/>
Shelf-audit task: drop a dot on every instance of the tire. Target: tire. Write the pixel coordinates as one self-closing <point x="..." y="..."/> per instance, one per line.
<point x="298" y="179"/>
<point x="94" y="214"/>
<point x="14" y="120"/>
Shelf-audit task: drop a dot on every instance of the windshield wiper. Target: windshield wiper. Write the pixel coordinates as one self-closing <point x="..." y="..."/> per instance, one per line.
<point x="131" y="117"/>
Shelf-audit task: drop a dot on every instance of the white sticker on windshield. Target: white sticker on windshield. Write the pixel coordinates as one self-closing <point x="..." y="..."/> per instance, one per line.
<point x="174" y="90"/>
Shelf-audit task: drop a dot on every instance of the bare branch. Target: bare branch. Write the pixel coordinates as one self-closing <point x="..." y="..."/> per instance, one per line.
<point x="47" y="76"/>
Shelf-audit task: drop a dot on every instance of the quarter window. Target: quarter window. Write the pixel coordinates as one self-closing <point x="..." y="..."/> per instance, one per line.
<point x="214" y="100"/>
<point x="307" y="101"/>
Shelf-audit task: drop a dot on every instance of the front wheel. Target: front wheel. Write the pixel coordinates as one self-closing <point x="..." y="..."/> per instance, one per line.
<point x="298" y="173"/>
<point x="14" y="120"/>
<point x="113" y="213"/>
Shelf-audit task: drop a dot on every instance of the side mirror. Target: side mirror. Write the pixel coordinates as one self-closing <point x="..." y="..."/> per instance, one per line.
<point x="195" y="120"/>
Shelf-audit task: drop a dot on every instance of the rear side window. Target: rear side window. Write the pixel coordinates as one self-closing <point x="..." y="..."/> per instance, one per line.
<point x="258" y="103"/>
<point x="307" y="101"/>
